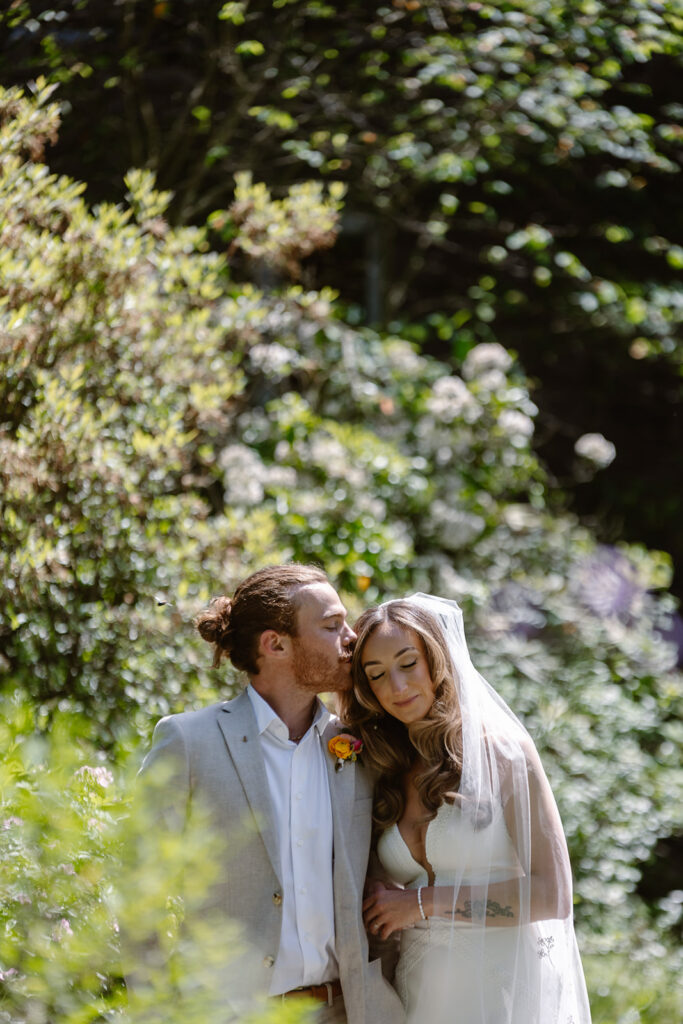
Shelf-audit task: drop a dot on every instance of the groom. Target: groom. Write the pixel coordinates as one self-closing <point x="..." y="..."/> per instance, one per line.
<point x="298" y="830"/>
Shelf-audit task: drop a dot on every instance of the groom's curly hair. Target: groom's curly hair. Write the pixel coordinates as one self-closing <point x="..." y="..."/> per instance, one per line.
<point x="268" y="599"/>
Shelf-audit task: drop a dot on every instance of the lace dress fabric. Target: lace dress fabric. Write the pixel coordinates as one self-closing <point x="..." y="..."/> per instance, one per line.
<point x="456" y="972"/>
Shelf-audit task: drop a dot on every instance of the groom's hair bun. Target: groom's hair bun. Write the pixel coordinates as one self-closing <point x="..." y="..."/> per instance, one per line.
<point x="268" y="599"/>
<point x="214" y="627"/>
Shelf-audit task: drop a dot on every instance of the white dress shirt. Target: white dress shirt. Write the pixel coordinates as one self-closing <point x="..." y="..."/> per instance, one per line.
<point x="300" y="793"/>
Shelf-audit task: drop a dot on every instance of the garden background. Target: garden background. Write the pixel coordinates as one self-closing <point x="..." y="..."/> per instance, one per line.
<point x="391" y="287"/>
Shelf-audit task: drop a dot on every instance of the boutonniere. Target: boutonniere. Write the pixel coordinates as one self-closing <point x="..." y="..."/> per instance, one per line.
<point x="345" y="748"/>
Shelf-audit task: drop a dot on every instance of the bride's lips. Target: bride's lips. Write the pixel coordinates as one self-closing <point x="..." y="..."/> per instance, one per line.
<point x="405" y="703"/>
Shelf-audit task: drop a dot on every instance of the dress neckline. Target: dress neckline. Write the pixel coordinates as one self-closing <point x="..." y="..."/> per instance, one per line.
<point x="428" y="870"/>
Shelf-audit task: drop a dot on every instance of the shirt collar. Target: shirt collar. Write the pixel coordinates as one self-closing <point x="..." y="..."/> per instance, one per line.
<point x="265" y="716"/>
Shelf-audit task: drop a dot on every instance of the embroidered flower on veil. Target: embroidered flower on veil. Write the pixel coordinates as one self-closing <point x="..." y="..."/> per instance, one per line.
<point x="344" y="747"/>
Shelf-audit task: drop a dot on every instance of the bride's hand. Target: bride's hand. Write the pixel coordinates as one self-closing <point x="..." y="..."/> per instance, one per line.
<point x="390" y="910"/>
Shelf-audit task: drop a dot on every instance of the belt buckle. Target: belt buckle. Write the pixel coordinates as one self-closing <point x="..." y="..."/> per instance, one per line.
<point x="330" y="997"/>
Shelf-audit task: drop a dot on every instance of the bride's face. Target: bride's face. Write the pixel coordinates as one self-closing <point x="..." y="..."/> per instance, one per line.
<point x="395" y="665"/>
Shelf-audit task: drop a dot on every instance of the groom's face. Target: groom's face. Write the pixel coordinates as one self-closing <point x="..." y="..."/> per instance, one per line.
<point x="322" y="649"/>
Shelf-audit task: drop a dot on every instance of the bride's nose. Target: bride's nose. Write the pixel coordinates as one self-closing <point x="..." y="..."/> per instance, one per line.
<point x="397" y="682"/>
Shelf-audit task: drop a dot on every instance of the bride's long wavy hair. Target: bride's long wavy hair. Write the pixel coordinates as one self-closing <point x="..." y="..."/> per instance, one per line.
<point x="389" y="747"/>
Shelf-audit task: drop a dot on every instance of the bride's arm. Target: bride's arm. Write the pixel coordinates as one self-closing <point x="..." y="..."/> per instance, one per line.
<point x="543" y="890"/>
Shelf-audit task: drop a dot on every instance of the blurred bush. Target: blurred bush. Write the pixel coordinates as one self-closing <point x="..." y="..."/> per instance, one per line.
<point x="165" y="430"/>
<point x="92" y="889"/>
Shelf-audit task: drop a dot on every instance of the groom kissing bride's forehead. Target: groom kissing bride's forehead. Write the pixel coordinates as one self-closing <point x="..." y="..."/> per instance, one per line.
<point x="261" y="763"/>
<point x="288" y="618"/>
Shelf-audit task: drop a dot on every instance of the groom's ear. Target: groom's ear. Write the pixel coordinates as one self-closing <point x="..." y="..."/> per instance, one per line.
<point x="274" y="645"/>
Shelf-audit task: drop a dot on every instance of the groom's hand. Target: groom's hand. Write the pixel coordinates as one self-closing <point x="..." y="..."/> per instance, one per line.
<point x="388" y="909"/>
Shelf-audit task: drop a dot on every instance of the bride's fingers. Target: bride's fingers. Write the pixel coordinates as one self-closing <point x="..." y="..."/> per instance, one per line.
<point x="374" y="921"/>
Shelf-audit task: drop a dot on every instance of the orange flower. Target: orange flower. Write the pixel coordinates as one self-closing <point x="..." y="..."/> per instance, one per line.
<point x="345" y="748"/>
<point x="340" y="747"/>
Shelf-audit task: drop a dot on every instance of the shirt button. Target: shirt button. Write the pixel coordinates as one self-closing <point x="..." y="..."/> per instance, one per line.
<point x="299" y="842"/>
<point x="268" y="961"/>
<point x="277" y="899"/>
<point x="299" y="796"/>
<point x="302" y="890"/>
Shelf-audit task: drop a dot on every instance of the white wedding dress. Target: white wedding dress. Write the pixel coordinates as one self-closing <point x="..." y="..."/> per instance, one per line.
<point x="457" y="972"/>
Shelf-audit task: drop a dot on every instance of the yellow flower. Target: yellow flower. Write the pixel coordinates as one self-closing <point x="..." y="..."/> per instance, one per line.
<point x="340" y="746"/>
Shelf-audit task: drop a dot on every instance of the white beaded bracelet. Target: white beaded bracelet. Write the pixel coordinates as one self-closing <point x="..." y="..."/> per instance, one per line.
<point x="419" y="903"/>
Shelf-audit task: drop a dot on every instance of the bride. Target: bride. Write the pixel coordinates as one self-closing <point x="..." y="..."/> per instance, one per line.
<point x="467" y="830"/>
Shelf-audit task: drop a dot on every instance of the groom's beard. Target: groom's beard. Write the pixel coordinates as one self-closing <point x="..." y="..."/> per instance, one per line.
<point x="320" y="672"/>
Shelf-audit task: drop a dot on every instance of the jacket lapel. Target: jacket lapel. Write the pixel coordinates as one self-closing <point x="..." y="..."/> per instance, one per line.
<point x="238" y="725"/>
<point x="342" y="791"/>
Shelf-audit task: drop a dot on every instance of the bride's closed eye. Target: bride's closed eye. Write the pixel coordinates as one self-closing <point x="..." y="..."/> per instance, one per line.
<point x="410" y="664"/>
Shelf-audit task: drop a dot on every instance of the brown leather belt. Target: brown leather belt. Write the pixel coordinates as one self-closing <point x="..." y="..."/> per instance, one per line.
<point x="324" y="993"/>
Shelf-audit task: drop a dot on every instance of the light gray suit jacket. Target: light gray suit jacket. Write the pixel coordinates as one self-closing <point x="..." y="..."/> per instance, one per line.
<point x="215" y="763"/>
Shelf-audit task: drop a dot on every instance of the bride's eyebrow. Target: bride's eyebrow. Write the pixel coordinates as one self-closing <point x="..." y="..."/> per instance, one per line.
<point x="398" y="655"/>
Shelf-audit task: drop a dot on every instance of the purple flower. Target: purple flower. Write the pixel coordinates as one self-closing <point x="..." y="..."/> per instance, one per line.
<point x="11" y="822"/>
<point x="606" y="583"/>
<point x="62" y="930"/>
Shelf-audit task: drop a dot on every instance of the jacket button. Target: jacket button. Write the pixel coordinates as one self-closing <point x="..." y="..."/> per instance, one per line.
<point x="277" y="899"/>
<point x="268" y="961"/>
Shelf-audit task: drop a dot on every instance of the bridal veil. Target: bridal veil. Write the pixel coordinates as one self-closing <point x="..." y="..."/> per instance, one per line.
<point x="504" y="952"/>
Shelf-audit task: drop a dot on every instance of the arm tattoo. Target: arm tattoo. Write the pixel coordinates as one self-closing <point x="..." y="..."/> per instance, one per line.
<point x="477" y="909"/>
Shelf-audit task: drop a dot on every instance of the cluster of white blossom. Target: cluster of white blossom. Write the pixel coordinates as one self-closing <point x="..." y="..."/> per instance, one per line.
<point x="441" y="443"/>
<point x="451" y="399"/>
<point x="402" y="357"/>
<point x="492" y="382"/>
<point x="273" y="359"/>
<point x="329" y="454"/>
<point x="308" y="503"/>
<point x="246" y="477"/>
<point x="516" y="425"/>
<point x="450" y="583"/>
<point x="455" y="528"/>
<point x="483" y="358"/>
<point x="243" y="475"/>
<point x="279" y="477"/>
<point x="521" y="518"/>
<point x="596" y="449"/>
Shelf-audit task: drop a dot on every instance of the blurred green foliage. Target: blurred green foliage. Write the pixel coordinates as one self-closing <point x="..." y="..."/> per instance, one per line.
<point x="166" y="429"/>
<point x="91" y="889"/>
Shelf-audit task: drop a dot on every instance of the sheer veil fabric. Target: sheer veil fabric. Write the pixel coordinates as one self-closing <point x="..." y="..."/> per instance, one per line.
<point x="506" y="953"/>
